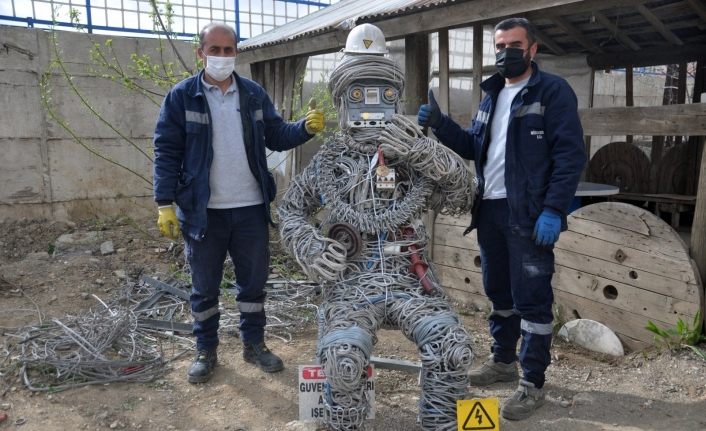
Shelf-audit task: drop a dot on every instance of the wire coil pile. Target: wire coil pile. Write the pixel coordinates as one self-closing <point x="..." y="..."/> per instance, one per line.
<point x="117" y="343"/>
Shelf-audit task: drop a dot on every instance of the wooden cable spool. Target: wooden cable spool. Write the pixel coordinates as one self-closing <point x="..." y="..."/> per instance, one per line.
<point x="623" y="266"/>
<point x="621" y="164"/>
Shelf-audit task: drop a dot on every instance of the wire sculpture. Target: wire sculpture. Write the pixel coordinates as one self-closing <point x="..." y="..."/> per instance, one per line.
<point x="352" y="220"/>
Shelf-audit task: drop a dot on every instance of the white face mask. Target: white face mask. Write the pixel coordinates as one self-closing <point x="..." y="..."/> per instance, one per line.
<point x="220" y="68"/>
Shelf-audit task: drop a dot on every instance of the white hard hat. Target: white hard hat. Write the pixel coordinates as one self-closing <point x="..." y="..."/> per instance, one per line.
<point x="365" y="39"/>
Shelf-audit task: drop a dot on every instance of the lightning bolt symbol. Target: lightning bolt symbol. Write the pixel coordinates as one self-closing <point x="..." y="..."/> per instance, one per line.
<point x="479" y="417"/>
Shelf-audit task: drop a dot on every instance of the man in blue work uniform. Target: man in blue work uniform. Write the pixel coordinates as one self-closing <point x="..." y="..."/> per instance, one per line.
<point x="527" y="144"/>
<point x="210" y="161"/>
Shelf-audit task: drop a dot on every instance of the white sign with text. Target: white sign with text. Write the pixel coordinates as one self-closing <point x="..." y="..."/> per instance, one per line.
<point x="311" y="392"/>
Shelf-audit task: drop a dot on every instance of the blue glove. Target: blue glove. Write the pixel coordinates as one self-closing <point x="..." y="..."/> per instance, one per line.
<point x="429" y="114"/>
<point x="547" y="228"/>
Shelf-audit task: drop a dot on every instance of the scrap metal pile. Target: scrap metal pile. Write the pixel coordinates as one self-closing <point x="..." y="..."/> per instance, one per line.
<point x="133" y="336"/>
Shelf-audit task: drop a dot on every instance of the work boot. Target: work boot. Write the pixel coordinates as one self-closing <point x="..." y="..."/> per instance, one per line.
<point x="491" y="372"/>
<point x="259" y="354"/>
<point x="526" y="399"/>
<point x="202" y="367"/>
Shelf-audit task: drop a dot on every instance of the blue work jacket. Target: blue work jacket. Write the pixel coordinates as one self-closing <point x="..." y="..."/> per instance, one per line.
<point x="544" y="154"/>
<point x="183" y="149"/>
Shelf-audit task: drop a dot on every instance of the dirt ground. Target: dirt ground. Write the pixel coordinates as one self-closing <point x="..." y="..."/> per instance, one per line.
<point x="651" y="390"/>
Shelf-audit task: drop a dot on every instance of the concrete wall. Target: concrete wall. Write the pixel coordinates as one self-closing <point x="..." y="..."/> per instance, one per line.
<point x="44" y="173"/>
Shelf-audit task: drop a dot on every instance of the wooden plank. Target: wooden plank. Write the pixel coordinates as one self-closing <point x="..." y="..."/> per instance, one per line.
<point x="670" y="247"/>
<point x="668" y="120"/>
<point x="622" y="221"/>
<point x="469" y="299"/>
<point x="640" y="260"/>
<point x="451" y="236"/>
<point x="476" y="92"/>
<point x="288" y="88"/>
<point x="614" y="30"/>
<point x="698" y="7"/>
<point x="628" y="275"/>
<point x="466" y="288"/>
<point x="456" y="257"/>
<point x="278" y="93"/>
<point x="629" y="101"/>
<point x="463" y="221"/>
<point x="698" y="228"/>
<point x="467" y="281"/>
<point x="630" y="328"/>
<point x="658" y="25"/>
<point x="416" y="60"/>
<point x="576" y="34"/>
<point x="650" y="305"/>
<point x="547" y="41"/>
<point x="444" y="101"/>
<point x="647" y="57"/>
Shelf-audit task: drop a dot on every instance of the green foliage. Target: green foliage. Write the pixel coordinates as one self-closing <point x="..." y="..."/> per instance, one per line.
<point x="559" y="318"/>
<point x="681" y="336"/>
<point x="141" y="75"/>
<point x="320" y="94"/>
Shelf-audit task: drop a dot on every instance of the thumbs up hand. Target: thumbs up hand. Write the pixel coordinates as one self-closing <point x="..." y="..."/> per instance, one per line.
<point x="429" y="114"/>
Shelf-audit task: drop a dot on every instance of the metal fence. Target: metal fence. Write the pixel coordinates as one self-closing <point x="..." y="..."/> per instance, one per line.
<point x="186" y="17"/>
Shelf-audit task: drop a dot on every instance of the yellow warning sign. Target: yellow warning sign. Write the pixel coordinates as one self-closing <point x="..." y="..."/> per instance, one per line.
<point x="478" y="414"/>
<point x="367" y="43"/>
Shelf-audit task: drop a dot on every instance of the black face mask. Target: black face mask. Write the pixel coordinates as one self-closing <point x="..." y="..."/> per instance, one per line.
<point x="512" y="62"/>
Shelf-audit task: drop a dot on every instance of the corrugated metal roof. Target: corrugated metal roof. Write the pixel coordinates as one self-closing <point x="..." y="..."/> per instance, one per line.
<point x="344" y="14"/>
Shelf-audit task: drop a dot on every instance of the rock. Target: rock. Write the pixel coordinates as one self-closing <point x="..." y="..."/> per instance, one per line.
<point x="99" y="281"/>
<point x="121" y="250"/>
<point x="85" y="295"/>
<point x="301" y="426"/>
<point x="40" y="255"/>
<point x="77" y="242"/>
<point x="592" y="335"/>
<point x="584" y="399"/>
<point x="102" y="415"/>
<point x="564" y="403"/>
<point x="107" y="248"/>
<point x="53" y="299"/>
<point x="114" y="425"/>
<point x="120" y="273"/>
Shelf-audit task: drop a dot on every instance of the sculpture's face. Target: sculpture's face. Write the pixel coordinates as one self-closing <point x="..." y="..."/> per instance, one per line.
<point x="370" y="104"/>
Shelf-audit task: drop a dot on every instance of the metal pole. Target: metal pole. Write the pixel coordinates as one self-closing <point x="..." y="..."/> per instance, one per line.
<point x="237" y="19"/>
<point x="89" y="20"/>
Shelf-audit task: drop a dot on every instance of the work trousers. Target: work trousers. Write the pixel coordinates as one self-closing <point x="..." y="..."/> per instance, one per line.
<point x="243" y="234"/>
<point x="517" y="278"/>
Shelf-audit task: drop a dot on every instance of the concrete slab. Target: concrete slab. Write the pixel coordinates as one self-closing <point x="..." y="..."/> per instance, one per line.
<point x="20" y="105"/>
<point x="78" y="174"/>
<point x="21" y="171"/>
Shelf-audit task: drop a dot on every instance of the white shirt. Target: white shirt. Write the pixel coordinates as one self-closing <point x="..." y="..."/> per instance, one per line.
<point x="494" y="169"/>
<point x="231" y="181"/>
